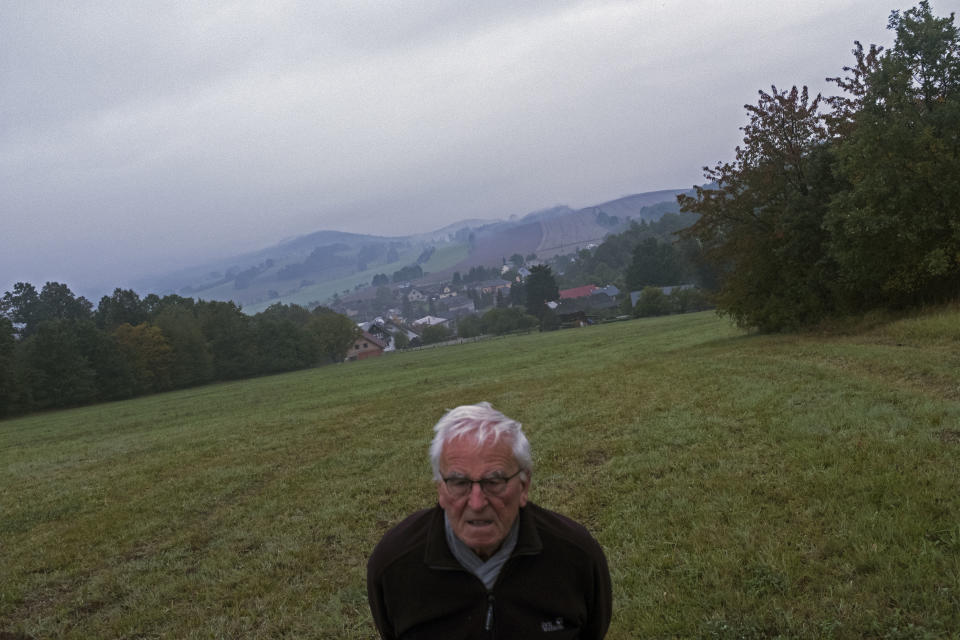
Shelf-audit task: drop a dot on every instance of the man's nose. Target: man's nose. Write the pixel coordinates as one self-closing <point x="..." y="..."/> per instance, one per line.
<point x="478" y="499"/>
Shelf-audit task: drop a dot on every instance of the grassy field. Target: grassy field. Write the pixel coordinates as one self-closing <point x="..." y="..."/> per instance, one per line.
<point x="742" y="486"/>
<point x="447" y="256"/>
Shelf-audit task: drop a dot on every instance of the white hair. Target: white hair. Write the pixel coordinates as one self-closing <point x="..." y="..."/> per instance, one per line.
<point x="483" y="423"/>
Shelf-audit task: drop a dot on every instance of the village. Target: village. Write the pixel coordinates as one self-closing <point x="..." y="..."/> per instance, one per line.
<point x="407" y="315"/>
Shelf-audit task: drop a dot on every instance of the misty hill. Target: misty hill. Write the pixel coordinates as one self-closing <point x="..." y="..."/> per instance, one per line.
<point x="309" y="269"/>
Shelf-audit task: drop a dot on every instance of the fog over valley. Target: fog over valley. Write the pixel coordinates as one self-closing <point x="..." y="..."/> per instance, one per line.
<point x="139" y="139"/>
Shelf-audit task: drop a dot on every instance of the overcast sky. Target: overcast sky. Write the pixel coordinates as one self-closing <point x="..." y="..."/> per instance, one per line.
<point x="135" y="136"/>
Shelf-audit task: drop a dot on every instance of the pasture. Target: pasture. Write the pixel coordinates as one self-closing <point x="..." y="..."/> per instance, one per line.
<point x="795" y="486"/>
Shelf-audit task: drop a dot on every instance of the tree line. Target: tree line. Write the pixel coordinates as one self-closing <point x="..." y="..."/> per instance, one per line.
<point x="840" y="205"/>
<point x="56" y="350"/>
<point x="646" y="254"/>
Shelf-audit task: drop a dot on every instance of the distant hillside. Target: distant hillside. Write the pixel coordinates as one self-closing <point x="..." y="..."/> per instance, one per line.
<point x="308" y="269"/>
<point x="636" y="205"/>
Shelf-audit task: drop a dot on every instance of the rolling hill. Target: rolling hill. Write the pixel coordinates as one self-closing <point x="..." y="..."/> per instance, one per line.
<point x="309" y="269"/>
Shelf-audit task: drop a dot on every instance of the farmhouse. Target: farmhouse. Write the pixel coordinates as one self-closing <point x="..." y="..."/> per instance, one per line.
<point x="376" y="328"/>
<point x="366" y="346"/>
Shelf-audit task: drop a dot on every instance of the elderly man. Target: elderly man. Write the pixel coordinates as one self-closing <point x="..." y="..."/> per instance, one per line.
<point x="486" y="562"/>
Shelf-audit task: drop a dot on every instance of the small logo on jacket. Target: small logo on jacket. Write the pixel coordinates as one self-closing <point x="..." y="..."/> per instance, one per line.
<point x="552" y="625"/>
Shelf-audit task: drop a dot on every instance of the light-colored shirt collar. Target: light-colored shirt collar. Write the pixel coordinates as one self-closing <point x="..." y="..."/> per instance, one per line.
<point x="486" y="570"/>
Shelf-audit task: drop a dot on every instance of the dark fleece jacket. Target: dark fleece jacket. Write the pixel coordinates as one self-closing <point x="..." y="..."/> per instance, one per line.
<point x="555" y="585"/>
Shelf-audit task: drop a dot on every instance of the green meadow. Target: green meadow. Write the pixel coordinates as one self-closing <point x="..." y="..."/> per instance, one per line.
<point x="791" y="486"/>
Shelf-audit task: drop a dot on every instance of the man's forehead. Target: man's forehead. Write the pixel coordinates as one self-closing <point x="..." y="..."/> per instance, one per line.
<point x="466" y="450"/>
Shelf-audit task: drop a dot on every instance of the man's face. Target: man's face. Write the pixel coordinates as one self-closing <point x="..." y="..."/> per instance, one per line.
<point x="481" y="521"/>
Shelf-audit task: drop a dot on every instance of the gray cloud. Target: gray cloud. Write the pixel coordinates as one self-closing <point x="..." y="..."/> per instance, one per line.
<point x="134" y="136"/>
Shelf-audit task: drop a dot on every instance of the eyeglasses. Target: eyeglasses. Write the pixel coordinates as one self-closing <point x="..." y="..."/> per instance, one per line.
<point x="459" y="486"/>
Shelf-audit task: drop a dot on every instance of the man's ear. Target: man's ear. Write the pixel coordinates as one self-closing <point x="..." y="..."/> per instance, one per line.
<point x="441" y="496"/>
<point x="527" y="477"/>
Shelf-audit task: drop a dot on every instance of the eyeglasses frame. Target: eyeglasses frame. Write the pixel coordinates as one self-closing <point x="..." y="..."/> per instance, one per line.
<point x="481" y="482"/>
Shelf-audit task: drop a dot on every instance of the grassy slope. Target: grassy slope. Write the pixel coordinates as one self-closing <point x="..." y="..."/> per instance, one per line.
<point x="742" y="486"/>
<point x="322" y="291"/>
<point x="445" y="258"/>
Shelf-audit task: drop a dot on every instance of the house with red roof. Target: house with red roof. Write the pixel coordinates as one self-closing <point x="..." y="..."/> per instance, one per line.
<point x="578" y="292"/>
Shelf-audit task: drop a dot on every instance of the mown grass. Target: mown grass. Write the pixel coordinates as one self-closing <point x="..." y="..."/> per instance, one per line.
<point x="742" y="486"/>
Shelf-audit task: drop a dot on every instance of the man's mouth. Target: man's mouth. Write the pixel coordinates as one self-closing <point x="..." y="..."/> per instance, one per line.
<point x="479" y="523"/>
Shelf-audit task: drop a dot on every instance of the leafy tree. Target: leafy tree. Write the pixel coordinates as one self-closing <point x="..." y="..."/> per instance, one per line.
<point x="689" y="300"/>
<point x="114" y="372"/>
<point x="123" y="307"/>
<point x="335" y="333"/>
<point x="21" y="306"/>
<point x="541" y="287"/>
<point x="761" y="224"/>
<point x="500" y="321"/>
<point x="26" y="307"/>
<point x="283" y="340"/>
<point x="400" y="340"/>
<point x="57" y="372"/>
<point x="608" y="262"/>
<point x="191" y="361"/>
<point x="435" y="333"/>
<point x="894" y="230"/>
<point x="149" y="354"/>
<point x="652" y="302"/>
<point x="485" y="300"/>
<point x="8" y="385"/>
<point x="230" y="338"/>
<point x="550" y="320"/>
<point x="480" y="273"/>
<point x="57" y="302"/>
<point x="469" y="326"/>
<point x="426" y="254"/>
<point x="655" y="264"/>
<point x="517" y="260"/>
<point x="156" y="305"/>
<point x="605" y="220"/>
<point x="518" y="296"/>
<point x="409" y="272"/>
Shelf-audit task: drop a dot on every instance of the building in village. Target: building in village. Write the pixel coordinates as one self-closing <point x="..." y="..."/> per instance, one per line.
<point x="366" y="346"/>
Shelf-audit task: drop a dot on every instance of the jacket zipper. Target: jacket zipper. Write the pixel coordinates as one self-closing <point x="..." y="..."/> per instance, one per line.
<point x="488" y="621"/>
<point x="488" y="618"/>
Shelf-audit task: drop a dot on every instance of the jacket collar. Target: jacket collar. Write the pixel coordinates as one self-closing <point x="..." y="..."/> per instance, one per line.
<point x="439" y="556"/>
